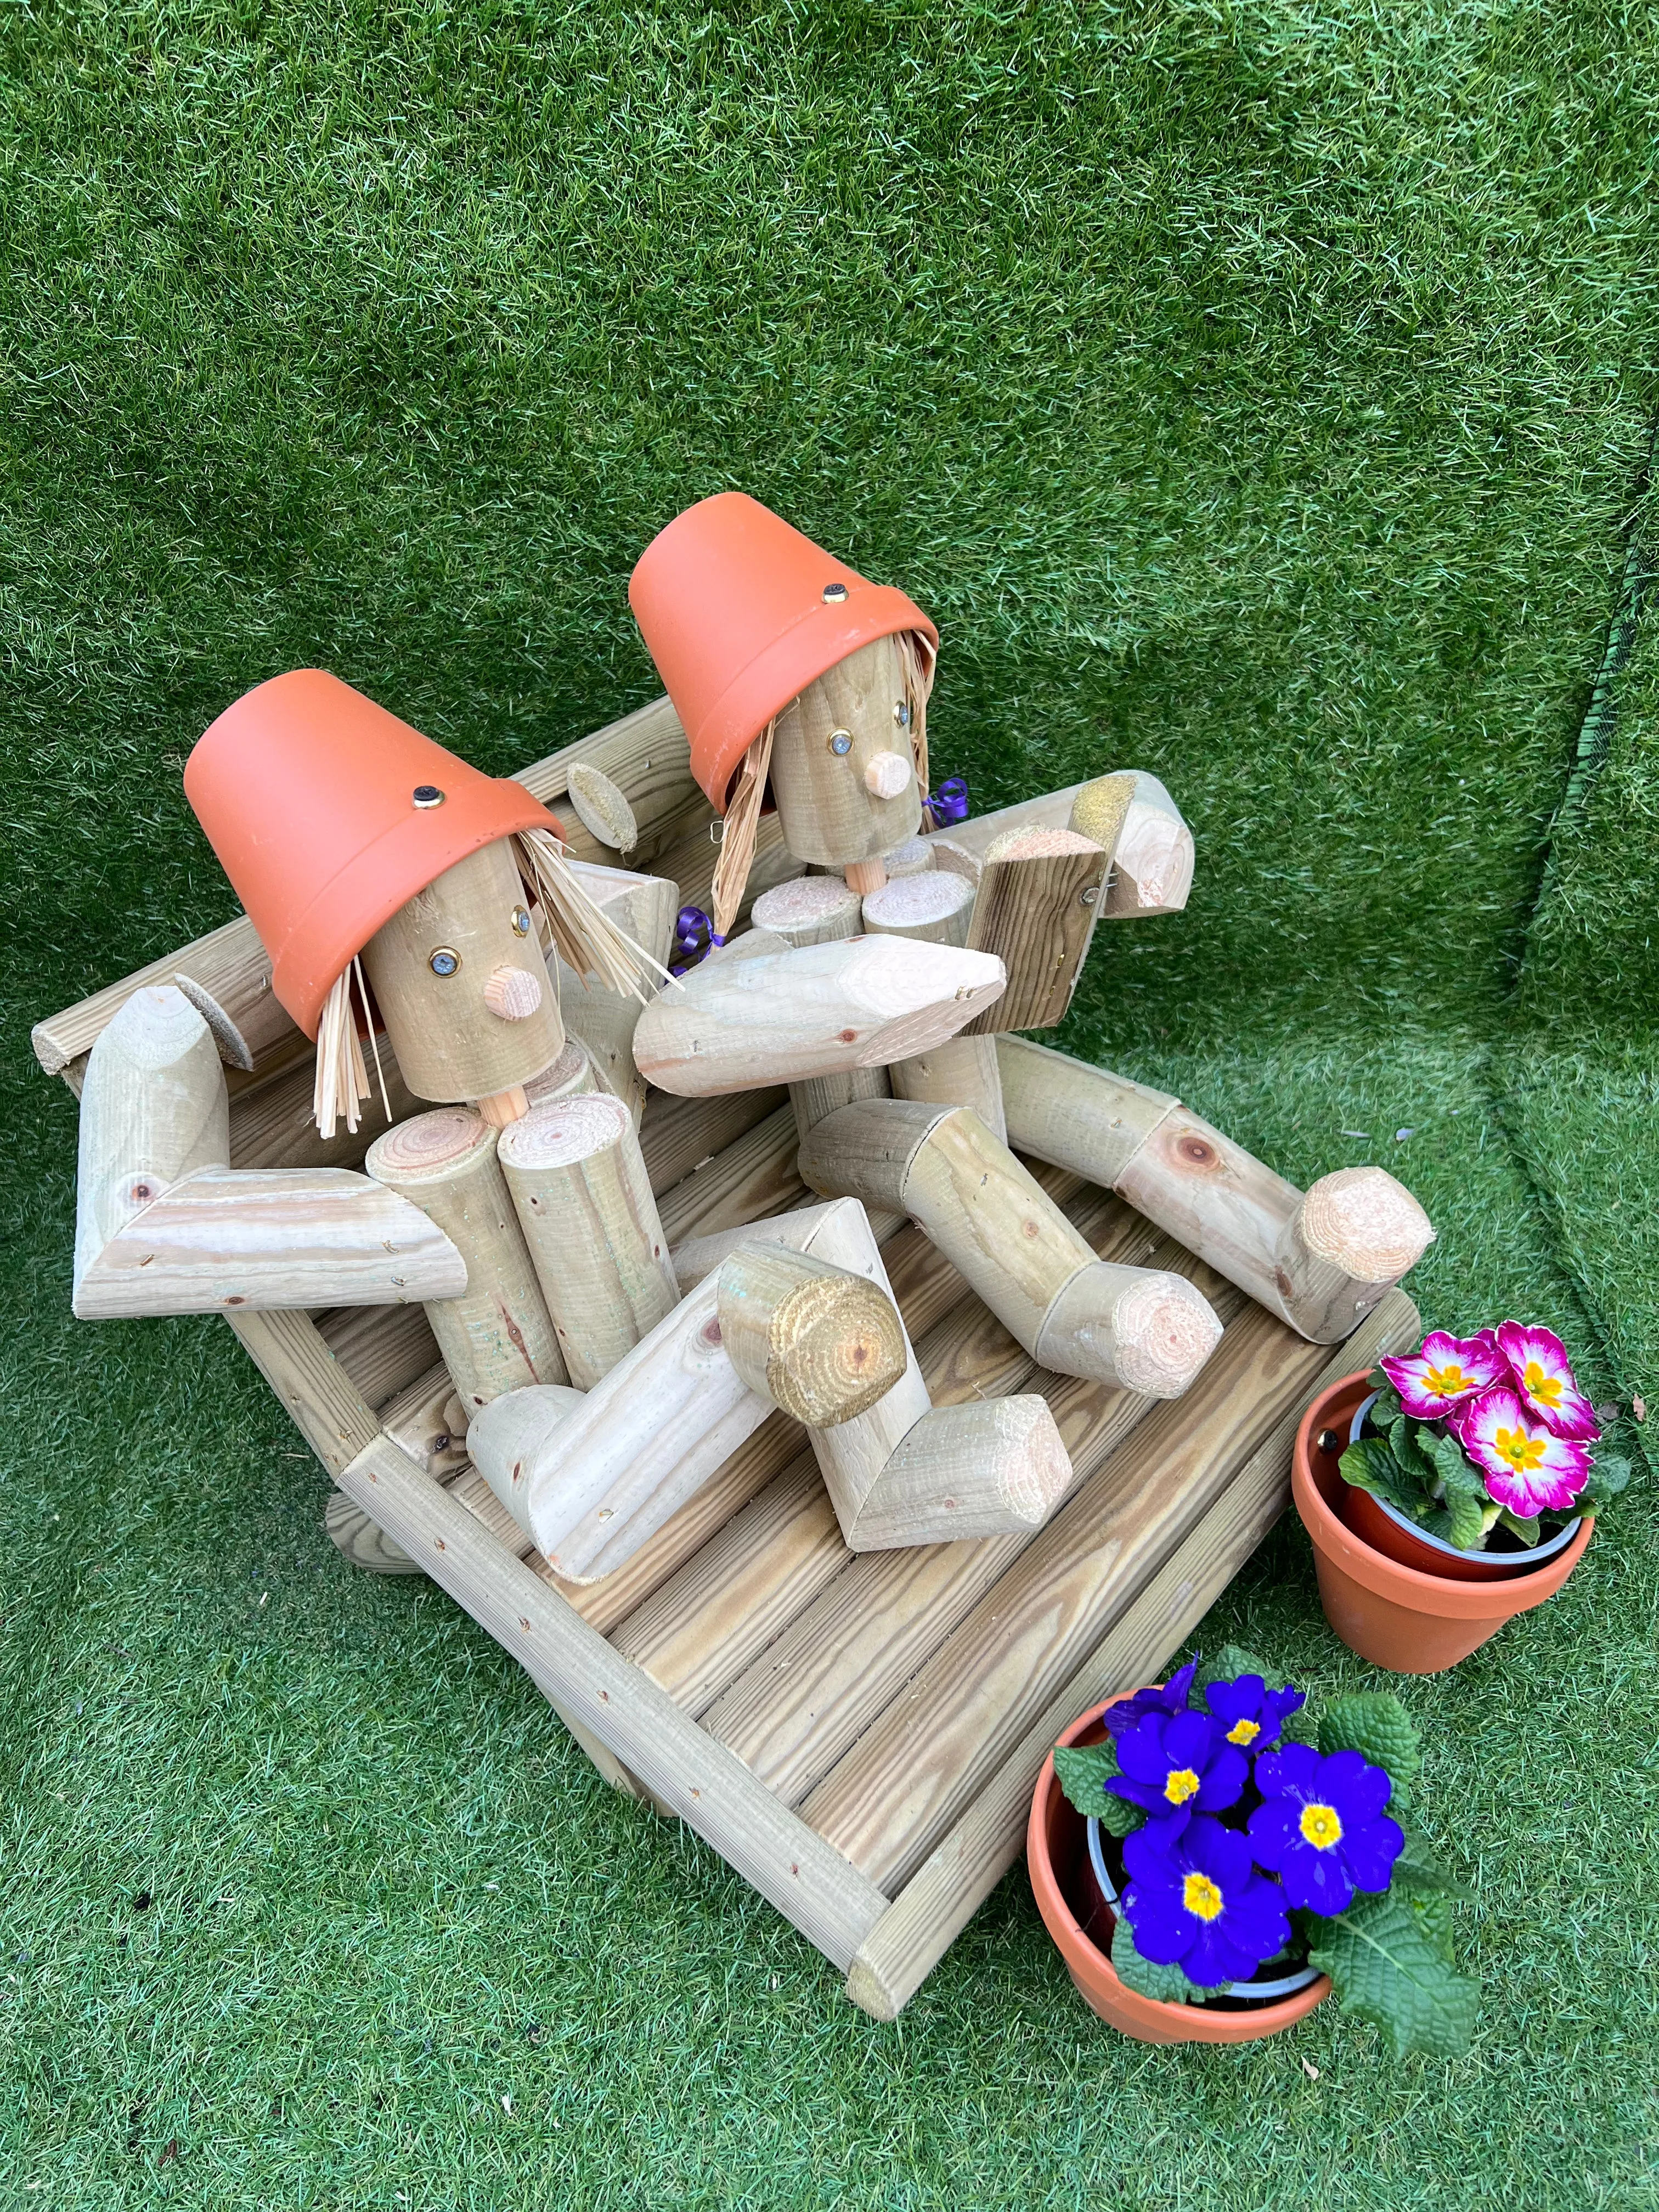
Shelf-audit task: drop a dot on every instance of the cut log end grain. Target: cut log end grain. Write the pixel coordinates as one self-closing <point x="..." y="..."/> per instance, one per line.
<point x="811" y="910"/>
<point x="565" y="1130"/>
<point x="824" y="1345"/>
<point x="914" y="857"/>
<point x="1166" y="1330"/>
<point x="512" y="994"/>
<point x="1365" y="1222"/>
<point x="234" y="1047"/>
<point x="572" y="1072"/>
<point x="913" y="905"/>
<point x="428" y="1145"/>
<point x="886" y="775"/>
<point x="601" y="807"/>
<point x="1034" y="843"/>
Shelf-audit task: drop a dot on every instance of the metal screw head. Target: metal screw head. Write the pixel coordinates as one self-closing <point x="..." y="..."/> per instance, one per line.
<point x="840" y="742"/>
<point x="426" y="794"/>
<point x="444" y="961"/>
<point x="521" y="921"/>
<point x="834" y="594"/>
<point x="901" y="714"/>
<point x="1327" y="1440"/>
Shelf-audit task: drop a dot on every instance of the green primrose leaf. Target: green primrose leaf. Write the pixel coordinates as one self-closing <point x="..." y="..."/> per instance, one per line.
<point x="1528" y="1531"/>
<point x="1434" y="1917"/>
<point x="1082" y="1771"/>
<point x="1377" y="1726"/>
<point x="1612" y="1474"/>
<point x="1456" y="1469"/>
<point x="1369" y="1465"/>
<point x="1466" y="1520"/>
<point x="1386" y="1963"/>
<point x="1408" y="1445"/>
<point x="1229" y="1663"/>
<point x="1118" y="1817"/>
<point x="1418" y="1872"/>
<point x="1164" y="1985"/>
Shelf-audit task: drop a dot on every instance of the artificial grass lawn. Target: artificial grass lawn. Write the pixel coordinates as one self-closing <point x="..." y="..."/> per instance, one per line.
<point x="1258" y="397"/>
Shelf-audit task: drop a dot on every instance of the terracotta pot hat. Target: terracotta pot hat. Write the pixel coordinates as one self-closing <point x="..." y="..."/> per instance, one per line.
<point x="328" y="814"/>
<point x="741" y="613"/>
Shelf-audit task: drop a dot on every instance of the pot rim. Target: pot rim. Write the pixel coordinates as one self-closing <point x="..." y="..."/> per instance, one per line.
<point x="1533" y="1556"/>
<point x="1410" y="1589"/>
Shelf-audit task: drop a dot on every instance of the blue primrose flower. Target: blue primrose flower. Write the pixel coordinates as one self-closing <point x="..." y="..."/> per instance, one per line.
<point x="1171" y="1699"/>
<point x="1251" y="1715"/>
<point x="1178" y="1764"/>
<point x="1195" y="1900"/>
<point x="1321" y="1827"/>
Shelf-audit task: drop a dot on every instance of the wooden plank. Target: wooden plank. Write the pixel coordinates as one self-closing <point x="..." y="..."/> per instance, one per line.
<point x="272" y="1124"/>
<point x="831" y="1903"/>
<point x="329" y="1410"/>
<point x="680" y="1136"/>
<point x="383" y="1349"/>
<point x="943" y="1896"/>
<point x="691" y="860"/>
<point x="223" y="962"/>
<point x="793" y="1714"/>
<point x="751" y="1178"/>
<point x="1037" y="916"/>
<point x="915" y="1773"/>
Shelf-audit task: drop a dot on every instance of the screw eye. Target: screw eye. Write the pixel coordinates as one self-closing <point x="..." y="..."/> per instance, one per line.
<point x="426" y="794"/>
<point x="840" y="742"/>
<point x="444" y="960"/>
<point x="521" y="921"/>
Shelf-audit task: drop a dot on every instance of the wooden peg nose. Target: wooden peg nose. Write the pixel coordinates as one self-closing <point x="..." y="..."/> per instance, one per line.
<point x="886" y="775"/>
<point x="512" y="994"/>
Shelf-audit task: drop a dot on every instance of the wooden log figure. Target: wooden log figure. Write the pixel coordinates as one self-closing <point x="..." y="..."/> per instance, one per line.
<point x="643" y="909"/>
<point x="821" y="1342"/>
<point x="795" y="677"/>
<point x="1141" y="1329"/>
<point x="1319" y="1262"/>
<point x="785" y="1015"/>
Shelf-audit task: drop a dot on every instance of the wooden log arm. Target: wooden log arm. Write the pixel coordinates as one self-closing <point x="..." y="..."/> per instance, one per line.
<point x="165" y="1224"/>
<point x="1321" y="1262"/>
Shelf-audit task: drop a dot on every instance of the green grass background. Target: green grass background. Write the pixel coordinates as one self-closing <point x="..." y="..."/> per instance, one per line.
<point x="1259" y="394"/>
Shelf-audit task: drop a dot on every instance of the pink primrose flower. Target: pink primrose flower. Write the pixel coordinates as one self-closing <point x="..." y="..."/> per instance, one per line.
<point x="1446" y="1372"/>
<point x="1527" y="1468"/>
<point x="1543" y="1376"/>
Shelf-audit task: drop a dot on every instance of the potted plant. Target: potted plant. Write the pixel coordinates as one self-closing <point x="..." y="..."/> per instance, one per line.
<point x="1212" y="1862"/>
<point x="1449" y="1491"/>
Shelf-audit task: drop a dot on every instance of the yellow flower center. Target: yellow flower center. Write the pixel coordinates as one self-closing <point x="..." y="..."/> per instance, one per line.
<point x="1449" y="1382"/>
<point x="1522" y="1452"/>
<point x="1201" y="1896"/>
<point x="1545" y="1387"/>
<point x="1243" y="1731"/>
<point x="1181" y="1783"/>
<point x="1321" y="1825"/>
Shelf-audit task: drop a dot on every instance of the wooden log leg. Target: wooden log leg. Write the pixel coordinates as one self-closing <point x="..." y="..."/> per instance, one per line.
<point x="644" y="908"/>
<point x="995" y="1222"/>
<point x="498" y="1336"/>
<point x="506" y="1436"/>
<point x="1320" y="1262"/>
<point x="824" y="1094"/>
<point x="810" y="910"/>
<point x="993" y="1468"/>
<point x="932" y="907"/>
<point x="579" y="1182"/>
<point x="1152" y="865"/>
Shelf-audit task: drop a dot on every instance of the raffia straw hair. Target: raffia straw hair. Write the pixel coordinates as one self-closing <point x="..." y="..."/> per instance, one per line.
<point x="742" y="826"/>
<point x="583" y="934"/>
<point x="341" y="1076"/>
<point x="917" y="661"/>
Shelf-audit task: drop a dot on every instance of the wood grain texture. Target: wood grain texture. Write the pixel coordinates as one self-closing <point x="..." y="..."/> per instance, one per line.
<point x="680" y="1136"/>
<point x="498" y="1334"/>
<point x="826" y="1094"/>
<point x="996" y="1468"/>
<point x="751" y="1178"/>
<point x="594" y="1686"/>
<point x="384" y="1349"/>
<point x="644" y="908"/>
<point x="578" y="1180"/>
<point x="272" y="1123"/>
<point x="961" y="1072"/>
<point x="912" y="1774"/>
<point x="1153" y="865"/>
<point x="808" y="910"/>
<point x="646" y="757"/>
<point x="1064" y="1111"/>
<point x="827" y="809"/>
<point x="958" y="1876"/>
<point x="325" y="1404"/>
<point x="817" y="1010"/>
<point x="691" y="861"/>
<point x="1037" y="915"/>
<point x="930" y="905"/>
<point x="229" y="962"/>
<point x="821" y="1342"/>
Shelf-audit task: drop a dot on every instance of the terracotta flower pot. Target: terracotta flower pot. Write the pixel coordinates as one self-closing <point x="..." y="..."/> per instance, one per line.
<point x="1056" y="1852"/>
<point x="328" y="814"/>
<point x="741" y="612"/>
<point x="1389" y="1531"/>
<point x="1408" y="1619"/>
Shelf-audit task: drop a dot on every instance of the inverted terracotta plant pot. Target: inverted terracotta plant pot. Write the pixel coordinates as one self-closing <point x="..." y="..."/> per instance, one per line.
<point x="1399" y="1617"/>
<point x="741" y="612"/>
<point x="328" y="814"/>
<point x="1057" y="1854"/>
